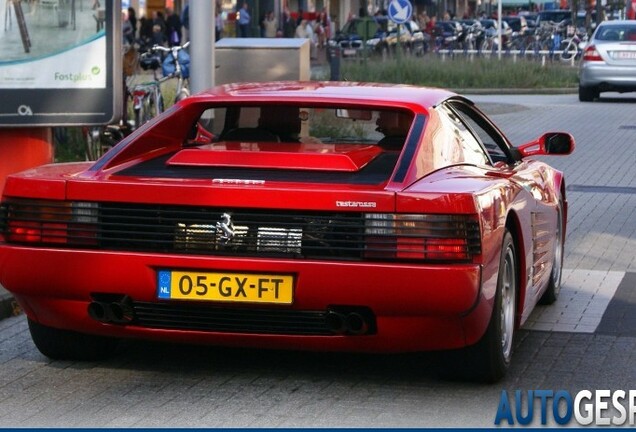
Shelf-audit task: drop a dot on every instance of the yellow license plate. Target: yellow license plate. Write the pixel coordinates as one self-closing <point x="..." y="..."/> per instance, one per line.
<point x="225" y="287"/>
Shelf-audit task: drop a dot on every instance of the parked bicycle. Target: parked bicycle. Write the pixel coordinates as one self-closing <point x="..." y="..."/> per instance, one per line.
<point x="572" y="47"/>
<point x="99" y="139"/>
<point x="148" y="100"/>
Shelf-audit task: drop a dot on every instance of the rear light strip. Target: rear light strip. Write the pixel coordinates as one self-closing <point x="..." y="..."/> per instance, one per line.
<point x="422" y="237"/>
<point x="591" y="54"/>
<point x="257" y="233"/>
<point x="49" y="222"/>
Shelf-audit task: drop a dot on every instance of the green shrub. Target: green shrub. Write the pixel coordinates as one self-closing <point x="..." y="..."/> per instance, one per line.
<point x="462" y="73"/>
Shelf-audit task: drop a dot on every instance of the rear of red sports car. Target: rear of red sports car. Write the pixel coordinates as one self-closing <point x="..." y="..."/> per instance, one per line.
<point x="203" y="228"/>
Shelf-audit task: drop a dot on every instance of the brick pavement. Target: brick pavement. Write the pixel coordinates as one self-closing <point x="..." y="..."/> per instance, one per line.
<point x="157" y="385"/>
<point x="165" y="385"/>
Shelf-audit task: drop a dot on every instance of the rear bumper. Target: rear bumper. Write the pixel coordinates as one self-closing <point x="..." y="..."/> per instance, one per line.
<point x="607" y="77"/>
<point x="416" y="307"/>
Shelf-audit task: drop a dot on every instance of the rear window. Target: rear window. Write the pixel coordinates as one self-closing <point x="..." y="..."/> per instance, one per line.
<point x="308" y="124"/>
<point x="616" y="33"/>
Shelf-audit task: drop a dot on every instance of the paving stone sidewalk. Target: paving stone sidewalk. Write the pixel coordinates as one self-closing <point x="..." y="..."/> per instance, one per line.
<point x="586" y="341"/>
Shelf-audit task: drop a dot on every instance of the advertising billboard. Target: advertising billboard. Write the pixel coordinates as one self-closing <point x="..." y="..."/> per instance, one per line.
<point x="59" y="62"/>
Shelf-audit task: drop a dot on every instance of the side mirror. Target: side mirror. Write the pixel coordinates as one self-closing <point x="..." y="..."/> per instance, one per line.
<point x="551" y="143"/>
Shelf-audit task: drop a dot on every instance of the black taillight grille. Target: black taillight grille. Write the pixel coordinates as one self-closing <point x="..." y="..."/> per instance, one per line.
<point x="252" y="233"/>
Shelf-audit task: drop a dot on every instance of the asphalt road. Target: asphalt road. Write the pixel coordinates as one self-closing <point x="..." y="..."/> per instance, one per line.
<point x="587" y="340"/>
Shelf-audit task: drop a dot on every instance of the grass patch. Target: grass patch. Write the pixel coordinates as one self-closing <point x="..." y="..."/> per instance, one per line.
<point x="463" y="73"/>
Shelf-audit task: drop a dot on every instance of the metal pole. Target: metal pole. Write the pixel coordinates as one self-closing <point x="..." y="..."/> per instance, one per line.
<point x="499" y="37"/>
<point x="202" y="22"/>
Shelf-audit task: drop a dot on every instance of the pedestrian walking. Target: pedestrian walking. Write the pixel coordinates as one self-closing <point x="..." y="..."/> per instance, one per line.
<point x="244" y="21"/>
<point x="288" y="24"/>
<point x="270" y="25"/>
<point x="185" y="21"/>
<point x="128" y="34"/>
<point x="158" y="28"/>
<point x="218" y="24"/>
<point x="132" y="17"/>
<point x="173" y="27"/>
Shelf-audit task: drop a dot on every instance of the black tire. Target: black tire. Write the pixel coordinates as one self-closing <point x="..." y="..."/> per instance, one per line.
<point x="554" y="284"/>
<point x="150" y="111"/>
<point x="489" y="359"/>
<point x="93" y="143"/>
<point x="587" y="94"/>
<point x="60" y="344"/>
<point x="139" y="115"/>
<point x="160" y="106"/>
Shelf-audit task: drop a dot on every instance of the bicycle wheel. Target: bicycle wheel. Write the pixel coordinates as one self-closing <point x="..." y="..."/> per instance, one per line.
<point x="184" y="93"/>
<point x="147" y="110"/>
<point x="158" y="105"/>
<point x="93" y="141"/>
<point x="140" y="114"/>
<point x="568" y="50"/>
<point x="150" y="110"/>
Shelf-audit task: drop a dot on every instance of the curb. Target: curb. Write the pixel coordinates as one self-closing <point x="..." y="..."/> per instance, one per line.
<point x="8" y="306"/>
<point x="517" y="91"/>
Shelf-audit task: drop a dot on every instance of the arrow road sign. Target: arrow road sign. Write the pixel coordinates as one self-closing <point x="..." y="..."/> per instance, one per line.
<point x="400" y="11"/>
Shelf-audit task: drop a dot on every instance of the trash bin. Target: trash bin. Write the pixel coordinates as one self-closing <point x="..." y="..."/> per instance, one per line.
<point x="333" y="54"/>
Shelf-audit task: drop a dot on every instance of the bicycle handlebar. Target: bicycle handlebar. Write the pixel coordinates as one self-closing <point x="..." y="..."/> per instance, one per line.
<point x="171" y="49"/>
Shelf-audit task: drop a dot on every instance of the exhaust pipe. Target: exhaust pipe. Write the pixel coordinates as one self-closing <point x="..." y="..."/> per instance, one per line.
<point x="98" y="311"/>
<point x="115" y="312"/>
<point x="356" y="323"/>
<point x="346" y="323"/>
<point x="121" y="312"/>
<point x="336" y="322"/>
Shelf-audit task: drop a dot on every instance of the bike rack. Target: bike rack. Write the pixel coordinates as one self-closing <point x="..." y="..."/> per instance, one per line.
<point x="515" y="54"/>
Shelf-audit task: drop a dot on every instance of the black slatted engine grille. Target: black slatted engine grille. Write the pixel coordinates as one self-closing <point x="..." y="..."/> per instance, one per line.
<point x="242" y="232"/>
<point x="255" y="233"/>
<point x="187" y="316"/>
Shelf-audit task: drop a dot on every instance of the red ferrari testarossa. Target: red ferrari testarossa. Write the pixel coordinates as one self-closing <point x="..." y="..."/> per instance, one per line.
<point x="303" y="215"/>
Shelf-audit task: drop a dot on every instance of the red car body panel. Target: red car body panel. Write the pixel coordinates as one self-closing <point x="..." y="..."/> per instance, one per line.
<point x="417" y="306"/>
<point x="424" y="296"/>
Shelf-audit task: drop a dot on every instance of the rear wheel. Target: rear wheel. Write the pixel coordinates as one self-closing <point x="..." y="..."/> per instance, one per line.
<point x="554" y="284"/>
<point x="150" y="110"/>
<point x="60" y="344"/>
<point x="587" y="94"/>
<point x="489" y="359"/>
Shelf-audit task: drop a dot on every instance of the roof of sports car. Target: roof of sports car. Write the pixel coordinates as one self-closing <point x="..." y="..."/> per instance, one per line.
<point x="328" y="90"/>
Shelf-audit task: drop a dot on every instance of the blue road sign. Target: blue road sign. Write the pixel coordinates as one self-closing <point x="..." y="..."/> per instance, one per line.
<point x="400" y="11"/>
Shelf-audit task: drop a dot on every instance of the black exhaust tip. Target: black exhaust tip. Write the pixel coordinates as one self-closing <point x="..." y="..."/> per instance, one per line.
<point x="356" y="323"/>
<point x="350" y="320"/>
<point x="98" y="311"/>
<point x="336" y="322"/>
<point x="111" y="308"/>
